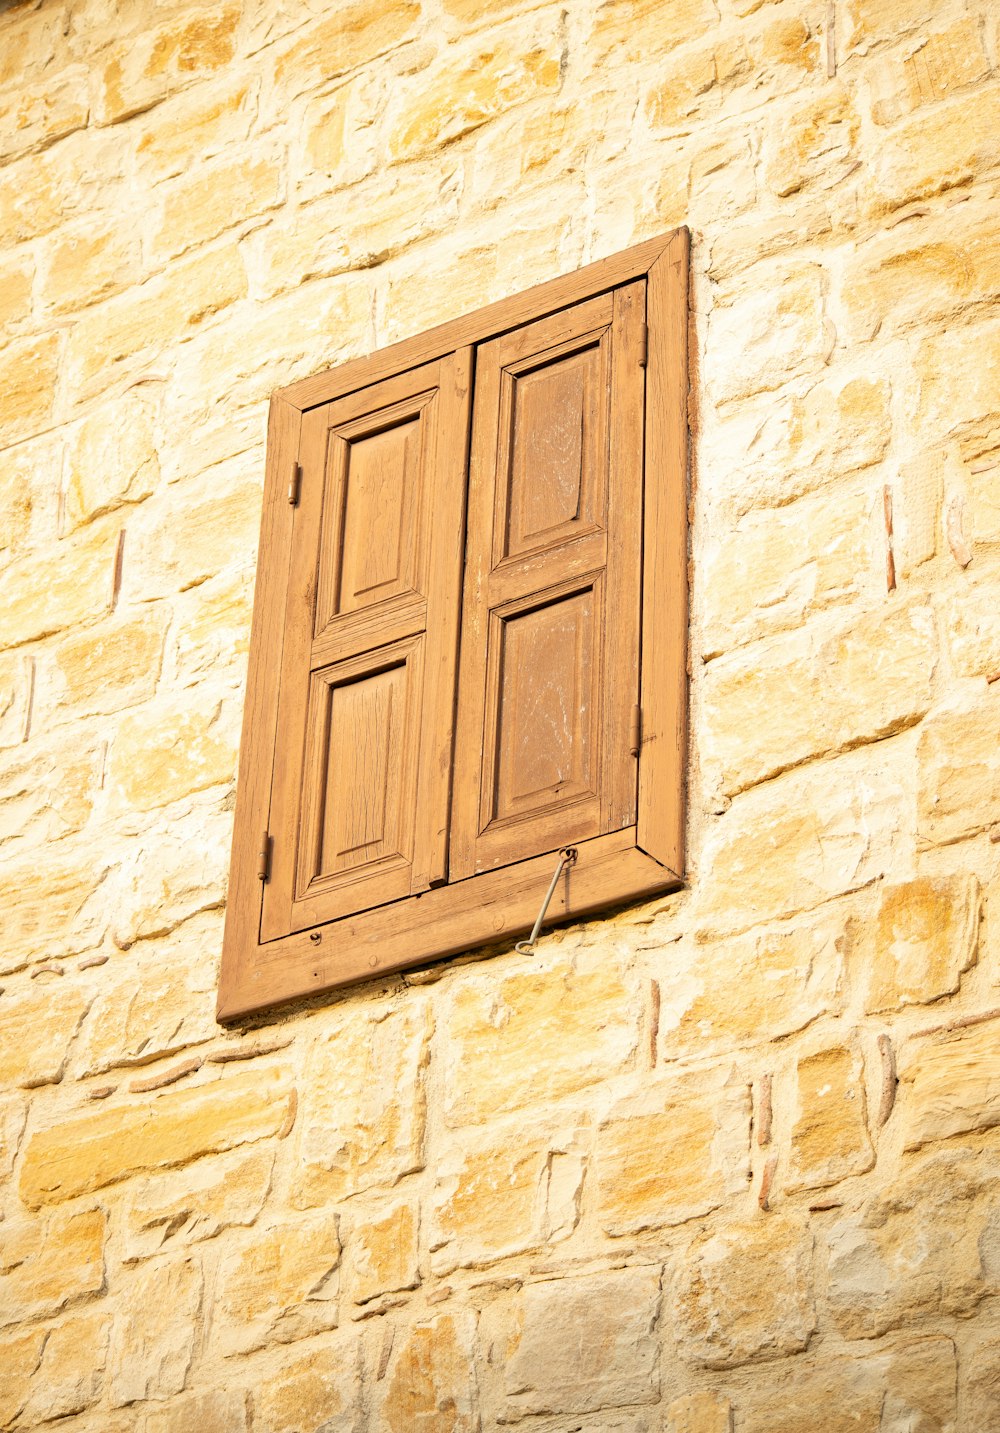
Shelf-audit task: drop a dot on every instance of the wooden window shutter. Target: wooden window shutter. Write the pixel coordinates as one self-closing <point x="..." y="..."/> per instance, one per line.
<point x="469" y="636"/>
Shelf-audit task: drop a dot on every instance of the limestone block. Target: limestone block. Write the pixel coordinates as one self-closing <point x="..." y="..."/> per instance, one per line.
<point x="29" y="46"/>
<point x="746" y="1293"/>
<point x="69" y="1375"/>
<point x="47" y="592"/>
<point x="806" y="837"/>
<point x="211" y="629"/>
<point x="19" y="1358"/>
<point x="874" y="22"/>
<point x="280" y="1285"/>
<point x="533" y="1036"/>
<point x="53" y="907"/>
<point x="93" y="1150"/>
<point x="13" y="1114"/>
<point x="106" y="667"/>
<point x="83" y="264"/>
<point x="28" y="373"/>
<point x="984" y="497"/>
<point x="203" y="121"/>
<point x="168" y="749"/>
<point x="972" y="627"/>
<point x="950" y="1084"/>
<point x="36" y="115"/>
<point x="16" y="278"/>
<point x="74" y="179"/>
<point x="584" y="1344"/>
<point x="757" y="987"/>
<point x="926" y="935"/>
<point x="981" y="1400"/>
<point x="218" y="1410"/>
<point x="17" y="672"/>
<point x="187" y="1206"/>
<point x="430" y="1381"/>
<point x="106" y="342"/>
<point x="156" y="1325"/>
<point x="739" y="245"/>
<point x="162" y="58"/>
<point x="161" y="887"/>
<point x="918" y="499"/>
<point x="48" y="1264"/>
<point x="469" y="12"/>
<point x="356" y="35"/>
<point x="921" y="1248"/>
<point x="816" y="143"/>
<point x="383" y="1253"/>
<point x="688" y="86"/>
<point x="951" y="144"/>
<point x="625" y="33"/>
<point x="211" y="198"/>
<point x="959" y="769"/>
<point x="830" y="1139"/>
<point x="937" y="66"/>
<point x="318" y="1391"/>
<point x="721" y="179"/>
<point x="832" y="685"/>
<point x="700" y="1413"/>
<point x="113" y="458"/>
<point x="53" y="1018"/>
<point x="361" y="1123"/>
<point x="769" y="334"/>
<point x="462" y="94"/>
<point x="674" y="1152"/>
<point x="45" y="794"/>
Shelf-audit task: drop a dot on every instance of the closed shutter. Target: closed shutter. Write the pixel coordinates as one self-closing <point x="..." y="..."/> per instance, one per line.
<point x="360" y="801"/>
<point x="550" y="628"/>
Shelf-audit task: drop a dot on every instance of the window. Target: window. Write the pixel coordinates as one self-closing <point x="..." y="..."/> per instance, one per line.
<point x="469" y="636"/>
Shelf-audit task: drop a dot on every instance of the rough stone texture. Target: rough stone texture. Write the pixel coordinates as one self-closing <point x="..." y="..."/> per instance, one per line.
<point x="924" y="938"/>
<point x="318" y="1390"/>
<point x="959" y="763"/>
<point x="155" y="1333"/>
<point x="189" y="1205"/>
<point x="830" y="1138"/>
<point x="53" y="1017"/>
<point x="384" y="1254"/>
<point x="217" y="1411"/>
<point x="281" y="1285"/>
<point x="430" y="1380"/>
<point x="49" y="1264"/>
<point x="700" y="1413"/>
<point x="950" y="1084"/>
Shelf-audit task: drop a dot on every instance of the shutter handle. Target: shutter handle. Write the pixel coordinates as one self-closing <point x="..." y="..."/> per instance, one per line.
<point x="567" y="856"/>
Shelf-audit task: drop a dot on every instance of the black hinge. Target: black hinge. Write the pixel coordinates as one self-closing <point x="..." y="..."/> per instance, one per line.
<point x="294" y="485"/>
<point x="264" y="858"/>
<point x="635" y="731"/>
<point x="644" y="345"/>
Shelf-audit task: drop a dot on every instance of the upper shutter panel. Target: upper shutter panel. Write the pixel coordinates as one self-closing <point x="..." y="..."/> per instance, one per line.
<point x="550" y="627"/>
<point x="360" y="801"/>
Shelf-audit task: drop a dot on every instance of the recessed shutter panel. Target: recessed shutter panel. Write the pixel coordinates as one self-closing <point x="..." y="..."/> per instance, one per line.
<point x="360" y="800"/>
<point x="550" y="627"/>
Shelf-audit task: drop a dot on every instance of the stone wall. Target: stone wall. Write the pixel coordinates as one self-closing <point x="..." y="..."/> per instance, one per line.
<point x="726" y="1161"/>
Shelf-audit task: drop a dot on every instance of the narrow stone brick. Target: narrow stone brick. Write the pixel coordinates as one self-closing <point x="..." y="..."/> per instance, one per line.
<point x="280" y="1285"/>
<point x="16" y="278"/>
<point x="212" y="626"/>
<point x="430" y="1382"/>
<point x="972" y="628"/>
<point x="17" y="675"/>
<point x="94" y="1150"/>
<point x="950" y="1084"/>
<point x="926" y="935"/>
<point x="830" y="1138"/>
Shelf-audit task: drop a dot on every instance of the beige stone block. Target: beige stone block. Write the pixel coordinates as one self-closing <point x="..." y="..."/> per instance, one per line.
<point x="17" y="676"/>
<point x="211" y="198"/>
<point x="191" y="534"/>
<point x="29" y="44"/>
<point x="154" y="1336"/>
<point x="737" y="246"/>
<point x="959" y="769"/>
<point x="46" y="1268"/>
<point x="675" y="1152"/>
<point x="52" y="905"/>
<point x="758" y="987"/>
<point x="788" y="41"/>
<point x="69" y="1374"/>
<point x="383" y="1253"/>
<point x="113" y="458"/>
<point x="204" y="121"/>
<point x="625" y="33"/>
<point x="933" y="68"/>
<point x="150" y="1005"/>
<point x="46" y="793"/>
<point x="830" y="1139"/>
<point x="182" y="1207"/>
<point x="950" y="1084"/>
<point x="917" y="503"/>
<point x="923" y="1248"/>
<point x="28" y="373"/>
<point x="16" y="279"/>
<point x="361" y="1124"/>
<point x="319" y="1390"/>
<point x="430" y="1381"/>
<point x="161" y="889"/>
<point x="13" y="1114"/>
<point x="489" y="1199"/>
<point x="107" y="667"/>
<point x="984" y="497"/>
<point x="56" y="588"/>
<point x="105" y="343"/>
<point x="30" y="483"/>
<point x="721" y="180"/>
<point x="19" y="1358"/>
<point x="357" y="34"/>
<point x="688" y="86"/>
<point x="802" y="695"/>
<point x="952" y="143"/>
<point x="102" y="1147"/>
<point x="211" y="630"/>
<point x="280" y="1286"/>
<point x="161" y="58"/>
<point x="954" y="391"/>
<point x="972" y="626"/>
<point x="981" y="1400"/>
<point x="36" y="115"/>
<point x="773" y="332"/>
<point x="746" y="1293"/>
<point x="806" y="837"/>
<point x="463" y="94"/>
<point x="926" y="935"/>
<point x="77" y="178"/>
<point x="585" y="1343"/>
<point x="53" y="1018"/>
<point x="700" y="1413"/>
<point x="533" y="1036"/>
<point x="470" y="12"/>
<point x="217" y="1410"/>
<point x="817" y="143"/>
<point x="170" y="749"/>
<point x="873" y="22"/>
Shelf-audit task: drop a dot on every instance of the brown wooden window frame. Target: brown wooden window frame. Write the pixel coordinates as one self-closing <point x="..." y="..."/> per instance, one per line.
<point x="497" y="896"/>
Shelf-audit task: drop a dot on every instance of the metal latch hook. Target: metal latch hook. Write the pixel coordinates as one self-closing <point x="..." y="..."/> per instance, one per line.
<point x="567" y="857"/>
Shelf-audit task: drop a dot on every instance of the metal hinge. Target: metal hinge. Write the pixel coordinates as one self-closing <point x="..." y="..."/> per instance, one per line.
<point x="264" y="858"/>
<point x="294" y="485"/>
<point x="635" y="731"/>
<point x="644" y="345"/>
